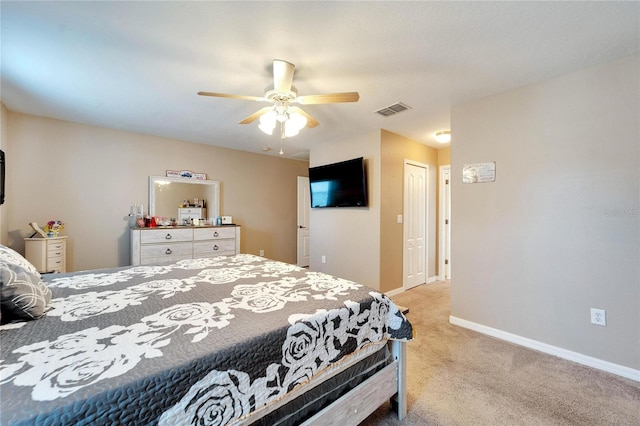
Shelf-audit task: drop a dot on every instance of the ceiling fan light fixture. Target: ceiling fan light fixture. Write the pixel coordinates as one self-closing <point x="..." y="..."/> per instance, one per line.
<point x="290" y="131"/>
<point x="268" y="122"/>
<point x="266" y="129"/>
<point x="443" y="137"/>
<point x="296" y="120"/>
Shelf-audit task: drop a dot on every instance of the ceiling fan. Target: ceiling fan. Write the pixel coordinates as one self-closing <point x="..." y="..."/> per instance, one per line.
<point x="281" y="95"/>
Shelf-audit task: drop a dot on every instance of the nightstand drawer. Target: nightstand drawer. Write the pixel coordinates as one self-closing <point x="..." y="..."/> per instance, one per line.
<point x="55" y="246"/>
<point x="57" y="251"/>
<point x="56" y="263"/>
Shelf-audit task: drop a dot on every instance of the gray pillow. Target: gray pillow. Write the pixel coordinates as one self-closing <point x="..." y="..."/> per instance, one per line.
<point x="23" y="294"/>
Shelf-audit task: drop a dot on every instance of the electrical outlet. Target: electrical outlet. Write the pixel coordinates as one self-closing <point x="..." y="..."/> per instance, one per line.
<point x="324" y="259"/>
<point x="261" y="252"/>
<point x="598" y="317"/>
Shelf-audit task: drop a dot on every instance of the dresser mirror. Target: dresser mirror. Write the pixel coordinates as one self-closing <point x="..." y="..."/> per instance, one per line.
<point x="167" y="193"/>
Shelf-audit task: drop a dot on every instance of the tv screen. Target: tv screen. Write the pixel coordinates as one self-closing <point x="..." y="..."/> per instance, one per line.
<point x="341" y="184"/>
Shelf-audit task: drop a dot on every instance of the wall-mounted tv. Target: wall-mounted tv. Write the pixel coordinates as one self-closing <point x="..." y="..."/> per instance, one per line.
<point x="341" y="184"/>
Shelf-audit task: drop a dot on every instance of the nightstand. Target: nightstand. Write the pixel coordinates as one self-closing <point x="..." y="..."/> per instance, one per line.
<point x="47" y="254"/>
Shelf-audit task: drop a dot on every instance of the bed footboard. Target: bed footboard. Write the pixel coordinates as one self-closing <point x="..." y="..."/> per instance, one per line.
<point x="359" y="403"/>
<point x="399" y="354"/>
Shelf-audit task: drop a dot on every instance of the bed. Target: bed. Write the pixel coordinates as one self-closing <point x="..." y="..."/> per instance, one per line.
<point x="224" y="340"/>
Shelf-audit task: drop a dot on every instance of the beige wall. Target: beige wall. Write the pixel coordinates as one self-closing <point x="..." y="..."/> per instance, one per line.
<point x="366" y="244"/>
<point x="558" y="232"/>
<point x="349" y="237"/>
<point x="395" y="149"/>
<point x="444" y="156"/>
<point x="89" y="176"/>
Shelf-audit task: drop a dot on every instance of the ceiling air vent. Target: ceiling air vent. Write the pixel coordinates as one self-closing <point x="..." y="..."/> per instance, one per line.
<point x="393" y="109"/>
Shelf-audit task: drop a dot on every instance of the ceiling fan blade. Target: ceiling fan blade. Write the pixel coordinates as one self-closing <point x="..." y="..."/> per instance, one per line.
<point x="311" y="122"/>
<point x="253" y="117"/>
<point x="282" y="76"/>
<point x="226" y="95"/>
<point x="329" y="98"/>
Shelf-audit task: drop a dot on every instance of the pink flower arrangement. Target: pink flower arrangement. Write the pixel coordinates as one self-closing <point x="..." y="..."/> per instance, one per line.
<point x="54" y="227"/>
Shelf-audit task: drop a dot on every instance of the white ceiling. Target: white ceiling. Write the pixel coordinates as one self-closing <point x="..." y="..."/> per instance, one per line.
<point x="137" y="66"/>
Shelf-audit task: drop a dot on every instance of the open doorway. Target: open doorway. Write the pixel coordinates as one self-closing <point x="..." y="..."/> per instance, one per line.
<point x="444" y="249"/>
<point x="304" y="208"/>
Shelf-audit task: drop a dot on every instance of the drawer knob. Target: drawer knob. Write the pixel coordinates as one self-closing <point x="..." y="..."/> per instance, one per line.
<point x="215" y="234"/>
<point x="215" y="247"/>
<point x="168" y="237"/>
<point x="168" y="251"/>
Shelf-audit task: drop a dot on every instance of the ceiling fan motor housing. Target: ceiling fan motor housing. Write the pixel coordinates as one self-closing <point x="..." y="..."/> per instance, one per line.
<point x="273" y="95"/>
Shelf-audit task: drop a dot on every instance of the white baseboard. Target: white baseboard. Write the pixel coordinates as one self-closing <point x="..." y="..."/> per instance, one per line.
<point x="599" y="364"/>
<point x="397" y="291"/>
<point x="394" y="292"/>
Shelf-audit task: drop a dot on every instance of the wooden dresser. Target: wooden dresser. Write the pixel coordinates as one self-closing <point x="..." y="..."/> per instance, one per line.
<point x="47" y="254"/>
<point x="170" y="244"/>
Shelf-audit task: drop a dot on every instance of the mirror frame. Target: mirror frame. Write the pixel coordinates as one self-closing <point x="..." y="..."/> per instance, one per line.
<point x="213" y="205"/>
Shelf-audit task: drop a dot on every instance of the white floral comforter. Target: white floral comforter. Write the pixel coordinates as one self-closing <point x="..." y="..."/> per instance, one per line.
<point x="203" y="341"/>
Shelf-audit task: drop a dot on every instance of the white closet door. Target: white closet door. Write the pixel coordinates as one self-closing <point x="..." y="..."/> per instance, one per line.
<point x="415" y="224"/>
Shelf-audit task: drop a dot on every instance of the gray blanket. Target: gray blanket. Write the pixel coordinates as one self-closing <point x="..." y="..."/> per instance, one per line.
<point x="203" y="341"/>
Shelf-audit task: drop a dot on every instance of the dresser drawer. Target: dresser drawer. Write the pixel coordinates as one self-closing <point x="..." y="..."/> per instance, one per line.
<point x="213" y="233"/>
<point x="214" y="248"/>
<point x="166" y="235"/>
<point x="155" y="245"/>
<point x="167" y="251"/>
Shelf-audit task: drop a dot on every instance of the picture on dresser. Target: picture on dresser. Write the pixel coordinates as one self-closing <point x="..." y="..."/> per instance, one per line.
<point x="186" y="174"/>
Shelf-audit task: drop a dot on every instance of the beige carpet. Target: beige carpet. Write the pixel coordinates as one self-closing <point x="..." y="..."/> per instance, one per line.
<point x="460" y="377"/>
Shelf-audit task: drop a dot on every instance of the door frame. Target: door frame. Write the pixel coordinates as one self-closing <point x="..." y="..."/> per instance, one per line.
<point x="425" y="166"/>
<point x="444" y="202"/>
<point x="304" y="203"/>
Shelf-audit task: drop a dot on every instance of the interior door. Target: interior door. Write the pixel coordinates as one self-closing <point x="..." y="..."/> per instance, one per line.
<point x="415" y="224"/>
<point x="304" y="208"/>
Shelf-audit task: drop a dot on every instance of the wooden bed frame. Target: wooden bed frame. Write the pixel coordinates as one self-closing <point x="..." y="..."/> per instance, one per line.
<point x="364" y="399"/>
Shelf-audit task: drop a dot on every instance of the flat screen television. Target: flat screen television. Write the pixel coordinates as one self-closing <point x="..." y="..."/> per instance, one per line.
<point x="341" y="184"/>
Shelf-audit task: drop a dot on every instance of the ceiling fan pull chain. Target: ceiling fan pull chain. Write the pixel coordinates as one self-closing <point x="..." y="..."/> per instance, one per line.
<point x="282" y="136"/>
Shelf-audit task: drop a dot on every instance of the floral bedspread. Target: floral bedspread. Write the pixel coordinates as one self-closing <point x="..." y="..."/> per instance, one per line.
<point x="203" y="341"/>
